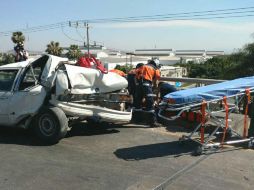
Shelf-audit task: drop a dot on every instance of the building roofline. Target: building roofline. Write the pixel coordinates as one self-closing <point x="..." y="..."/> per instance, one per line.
<point x="153" y="50"/>
<point x="189" y="50"/>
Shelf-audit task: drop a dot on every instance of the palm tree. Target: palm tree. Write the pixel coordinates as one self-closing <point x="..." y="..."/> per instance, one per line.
<point x="54" y="48"/>
<point x="74" y="52"/>
<point x="18" y="37"/>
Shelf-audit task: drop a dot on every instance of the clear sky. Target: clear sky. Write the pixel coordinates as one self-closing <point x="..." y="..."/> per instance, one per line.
<point x="213" y="34"/>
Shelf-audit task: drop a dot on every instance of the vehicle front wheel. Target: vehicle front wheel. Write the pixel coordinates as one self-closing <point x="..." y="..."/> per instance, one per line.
<point x="50" y="125"/>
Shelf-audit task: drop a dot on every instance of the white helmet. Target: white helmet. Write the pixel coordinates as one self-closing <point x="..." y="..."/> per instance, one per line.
<point x="157" y="62"/>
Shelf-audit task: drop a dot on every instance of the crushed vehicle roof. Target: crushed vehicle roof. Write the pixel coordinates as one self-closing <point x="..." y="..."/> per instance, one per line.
<point x="17" y="65"/>
<point x="24" y="64"/>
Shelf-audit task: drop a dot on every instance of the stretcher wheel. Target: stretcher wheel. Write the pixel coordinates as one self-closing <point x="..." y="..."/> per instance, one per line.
<point x="251" y="144"/>
<point x="198" y="151"/>
<point x="229" y="133"/>
<point x="182" y="140"/>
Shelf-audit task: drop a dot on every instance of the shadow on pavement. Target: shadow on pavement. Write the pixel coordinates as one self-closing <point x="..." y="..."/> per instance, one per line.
<point x="173" y="148"/>
<point x="12" y="135"/>
<point x="9" y="135"/>
<point x="84" y="129"/>
<point x="178" y="125"/>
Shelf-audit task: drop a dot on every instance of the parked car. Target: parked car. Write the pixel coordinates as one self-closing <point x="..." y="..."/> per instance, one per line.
<point x="48" y="94"/>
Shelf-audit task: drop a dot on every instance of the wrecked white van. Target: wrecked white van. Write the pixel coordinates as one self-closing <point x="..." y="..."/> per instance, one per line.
<point x="48" y="94"/>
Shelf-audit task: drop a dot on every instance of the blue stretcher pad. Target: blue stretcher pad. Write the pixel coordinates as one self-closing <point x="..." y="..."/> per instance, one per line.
<point x="211" y="92"/>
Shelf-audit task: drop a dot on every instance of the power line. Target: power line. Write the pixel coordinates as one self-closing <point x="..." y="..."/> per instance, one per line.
<point x="80" y="35"/>
<point x="172" y="14"/>
<point x="190" y="17"/>
<point x="183" y="19"/>
<point x="209" y="18"/>
<point x="87" y="27"/>
<point x="30" y="30"/>
<point x="69" y="36"/>
<point x="198" y="15"/>
<point x="39" y="28"/>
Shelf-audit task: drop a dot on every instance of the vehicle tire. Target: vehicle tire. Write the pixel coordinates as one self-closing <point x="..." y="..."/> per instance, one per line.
<point x="51" y="125"/>
<point x="198" y="151"/>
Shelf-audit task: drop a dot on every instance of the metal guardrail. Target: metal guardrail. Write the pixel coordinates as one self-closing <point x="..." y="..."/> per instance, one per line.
<point x="198" y="81"/>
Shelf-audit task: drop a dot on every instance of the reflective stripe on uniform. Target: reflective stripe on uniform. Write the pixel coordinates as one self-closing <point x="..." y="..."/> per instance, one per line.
<point x="149" y="111"/>
<point x="150" y="95"/>
<point x="146" y="84"/>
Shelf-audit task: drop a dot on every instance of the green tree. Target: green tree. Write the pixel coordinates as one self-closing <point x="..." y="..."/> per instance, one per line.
<point x="74" y="52"/>
<point x="236" y="65"/>
<point x="1" y="58"/>
<point x="125" y="68"/>
<point x="217" y="67"/>
<point x="54" y="48"/>
<point x="18" y="37"/>
<point x="197" y="71"/>
<point x="6" y="58"/>
<point x="242" y="62"/>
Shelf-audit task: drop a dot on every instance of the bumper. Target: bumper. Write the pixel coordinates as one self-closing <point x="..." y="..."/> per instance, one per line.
<point x="86" y="111"/>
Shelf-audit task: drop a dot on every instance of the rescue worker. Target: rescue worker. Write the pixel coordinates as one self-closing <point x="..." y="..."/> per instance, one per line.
<point x="165" y="88"/>
<point x="251" y="127"/>
<point x="147" y="76"/>
<point x="119" y="72"/>
<point x="131" y="79"/>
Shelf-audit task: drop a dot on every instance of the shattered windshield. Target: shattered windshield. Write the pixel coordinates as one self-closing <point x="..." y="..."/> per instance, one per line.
<point x="7" y="78"/>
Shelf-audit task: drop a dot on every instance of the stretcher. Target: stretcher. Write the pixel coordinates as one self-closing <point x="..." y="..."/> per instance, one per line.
<point x="213" y="103"/>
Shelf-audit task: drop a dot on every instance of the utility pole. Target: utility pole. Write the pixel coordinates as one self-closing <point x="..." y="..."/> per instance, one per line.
<point x="87" y="38"/>
<point x="87" y="27"/>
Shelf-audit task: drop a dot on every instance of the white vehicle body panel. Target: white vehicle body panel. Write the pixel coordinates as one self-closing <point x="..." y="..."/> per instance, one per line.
<point x="89" y="81"/>
<point x="21" y="64"/>
<point x="48" y="74"/>
<point x="26" y="103"/>
<point x="4" y="107"/>
<point x="83" y="110"/>
<point x="62" y="83"/>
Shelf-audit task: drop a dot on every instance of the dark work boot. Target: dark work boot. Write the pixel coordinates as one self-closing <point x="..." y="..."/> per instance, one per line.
<point x="156" y="124"/>
<point x="151" y="119"/>
<point x="137" y="116"/>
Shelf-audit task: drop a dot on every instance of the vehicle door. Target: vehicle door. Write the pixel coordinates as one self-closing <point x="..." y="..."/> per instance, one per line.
<point x="28" y="96"/>
<point x="7" y="81"/>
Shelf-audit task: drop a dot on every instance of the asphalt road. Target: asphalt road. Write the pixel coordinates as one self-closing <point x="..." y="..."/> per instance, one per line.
<point x="118" y="157"/>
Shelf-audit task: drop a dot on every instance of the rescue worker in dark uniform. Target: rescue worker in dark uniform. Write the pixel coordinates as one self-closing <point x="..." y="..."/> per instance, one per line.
<point x="147" y="76"/>
<point x="165" y="88"/>
<point x="131" y="79"/>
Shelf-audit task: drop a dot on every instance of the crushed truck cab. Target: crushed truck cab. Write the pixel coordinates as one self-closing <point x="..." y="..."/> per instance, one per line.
<point x="48" y="93"/>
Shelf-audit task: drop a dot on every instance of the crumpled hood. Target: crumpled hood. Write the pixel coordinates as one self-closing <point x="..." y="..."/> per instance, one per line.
<point x="88" y="81"/>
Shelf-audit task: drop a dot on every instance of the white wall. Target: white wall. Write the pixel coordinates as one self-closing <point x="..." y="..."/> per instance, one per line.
<point x="110" y="66"/>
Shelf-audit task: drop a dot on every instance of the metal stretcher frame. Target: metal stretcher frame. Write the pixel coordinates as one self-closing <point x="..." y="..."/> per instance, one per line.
<point x="208" y="114"/>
